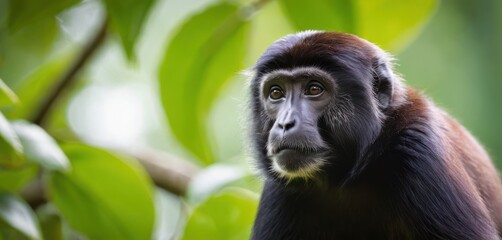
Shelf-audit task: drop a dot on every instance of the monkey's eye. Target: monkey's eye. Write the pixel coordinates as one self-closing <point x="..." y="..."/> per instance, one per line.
<point x="314" y="89"/>
<point x="276" y="93"/>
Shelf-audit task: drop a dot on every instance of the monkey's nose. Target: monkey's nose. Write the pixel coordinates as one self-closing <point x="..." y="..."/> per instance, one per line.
<point x="287" y="125"/>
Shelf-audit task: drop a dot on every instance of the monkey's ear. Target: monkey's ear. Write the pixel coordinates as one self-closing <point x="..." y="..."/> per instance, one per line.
<point x="382" y="81"/>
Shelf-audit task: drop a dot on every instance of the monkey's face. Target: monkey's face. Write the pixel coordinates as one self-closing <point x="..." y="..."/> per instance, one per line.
<point x="318" y="101"/>
<point x="295" y="100"/>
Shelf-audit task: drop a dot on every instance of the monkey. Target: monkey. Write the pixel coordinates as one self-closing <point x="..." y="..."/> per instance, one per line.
<point x="349" y="151"/>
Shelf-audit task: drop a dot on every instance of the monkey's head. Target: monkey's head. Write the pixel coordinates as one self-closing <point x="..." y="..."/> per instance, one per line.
<point x="319" y="99"/>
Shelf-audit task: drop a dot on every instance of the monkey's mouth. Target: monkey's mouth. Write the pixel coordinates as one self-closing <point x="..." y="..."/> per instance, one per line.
<point x="306" y="150"/>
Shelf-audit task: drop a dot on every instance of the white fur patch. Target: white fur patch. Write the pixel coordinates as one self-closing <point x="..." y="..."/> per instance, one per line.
<point x="305" y="172"/>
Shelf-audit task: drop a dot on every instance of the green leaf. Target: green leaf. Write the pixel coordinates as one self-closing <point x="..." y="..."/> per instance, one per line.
<point x="4" y="13"/>
<point x="227" y="215"/>
<point x="37" y="84"/>
<point x="12" y="180"/>
<point x="171" y="215"/>
<point x="28" y="12"/>
<point x="191" y="78"/>
<point x="53" y="226"/>
<point x="18" y="215"/>
<point x="11" y="150"/>
<point x="321" y="14"/>
<point x="8" y="233"/>
<point x="51" y="223"/>
<point x="392" y="23"/>
<point x="388" y="23"/>
<point x="7" y="96"/>
<point x="26" y="49"/>
<point x="39" y="147"/>
<point x="127" y="17"/>
<point x="103" y="196"/>
<point x="30" y="34"/>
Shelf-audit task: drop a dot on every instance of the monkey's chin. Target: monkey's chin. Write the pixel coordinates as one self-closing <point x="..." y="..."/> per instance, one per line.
<point x="290" y="164"/>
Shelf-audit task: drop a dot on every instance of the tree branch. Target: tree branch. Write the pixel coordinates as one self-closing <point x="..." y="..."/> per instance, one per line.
<point x="47" y="104"/>
<point x="167" y="172"/>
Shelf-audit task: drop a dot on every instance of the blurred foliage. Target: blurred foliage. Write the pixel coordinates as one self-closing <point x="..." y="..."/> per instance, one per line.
<point x="16" y="214"/>
<point x="127" y="18"/>
<point x="36" y="84"/>
<point x="82" y="195"/>
<point x="39" y="147"/>
<point x="388" y="23"/>
<point x="226" y="215"/>
<point x="13" y="180"/>
<point x="29" y="31"/>
<point x="199" y="60"/>
<point x="190" y="52"/>
<point x="11" y="150"/>
<point x="456" y="61"/>
<point x="7" y="96"/>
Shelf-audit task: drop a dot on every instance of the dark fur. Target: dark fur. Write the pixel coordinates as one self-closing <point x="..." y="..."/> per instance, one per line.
<point x="399" y="168"/>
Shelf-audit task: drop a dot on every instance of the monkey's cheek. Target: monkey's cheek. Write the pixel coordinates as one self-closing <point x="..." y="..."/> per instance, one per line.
<point x="291" y="164"/>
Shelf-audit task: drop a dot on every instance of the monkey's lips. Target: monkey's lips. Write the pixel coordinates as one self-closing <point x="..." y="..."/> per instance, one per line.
<point x="293" y="162"/>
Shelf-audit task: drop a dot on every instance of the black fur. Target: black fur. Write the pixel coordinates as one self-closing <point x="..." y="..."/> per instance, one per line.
<point x="392" y="170"/>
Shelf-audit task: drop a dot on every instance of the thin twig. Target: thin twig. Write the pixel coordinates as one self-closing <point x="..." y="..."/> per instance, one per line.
<point x="47" y="104"/>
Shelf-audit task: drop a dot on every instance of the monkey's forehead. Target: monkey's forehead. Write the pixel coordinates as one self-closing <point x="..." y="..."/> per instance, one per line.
<point x="299" y="72"/>
<point x="285" y="43"/>
<point x="315" y="48"/>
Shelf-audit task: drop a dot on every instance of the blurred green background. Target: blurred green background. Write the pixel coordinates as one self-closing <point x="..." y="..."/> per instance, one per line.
<point x="147" y="140"/>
